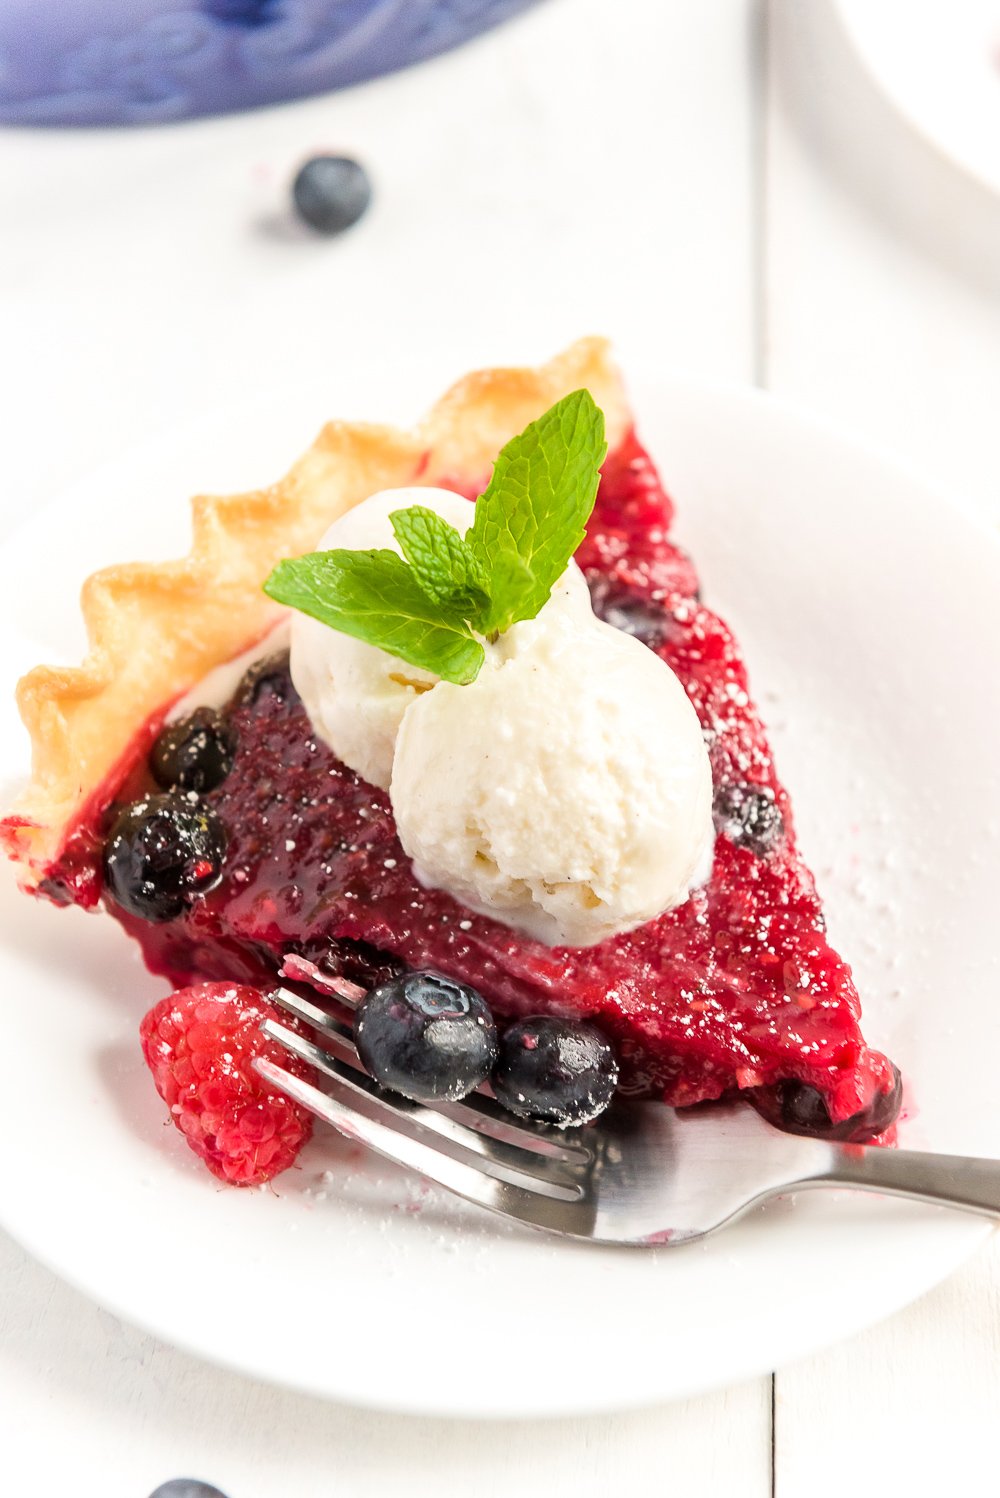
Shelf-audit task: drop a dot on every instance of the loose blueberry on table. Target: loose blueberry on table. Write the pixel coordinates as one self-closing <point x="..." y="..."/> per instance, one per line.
<point x="331" y="193"/>
<point x="235" y="838"/>
<point x="186" y="1487"/>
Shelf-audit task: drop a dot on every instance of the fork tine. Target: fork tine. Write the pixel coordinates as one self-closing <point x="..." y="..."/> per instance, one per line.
<point x="434" y="1130"/>
<point x="307" y="1010"/>
<point x="478" y="1111"/>
<point x="359" y="1116"/>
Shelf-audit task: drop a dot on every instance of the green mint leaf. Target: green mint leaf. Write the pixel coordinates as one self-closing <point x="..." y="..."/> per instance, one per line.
<point x="425" y="609"/>
<point x="374" y="596"/>
<point x="533" y="514"/>
<point x="447" y="569"/>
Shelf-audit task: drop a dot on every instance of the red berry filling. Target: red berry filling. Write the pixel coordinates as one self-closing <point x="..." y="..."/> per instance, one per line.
<point x="737" y="990"/>
<point x="200" y="1044"/>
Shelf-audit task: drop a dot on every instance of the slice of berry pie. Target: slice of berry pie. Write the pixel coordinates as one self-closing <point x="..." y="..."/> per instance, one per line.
<point x="484" y="770"/>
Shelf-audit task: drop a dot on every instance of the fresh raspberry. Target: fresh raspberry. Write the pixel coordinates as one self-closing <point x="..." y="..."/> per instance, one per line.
<point x="200" y="1044"/>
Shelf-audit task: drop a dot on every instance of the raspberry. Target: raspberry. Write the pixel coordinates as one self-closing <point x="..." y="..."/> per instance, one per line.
<point x="200" y="1044"/>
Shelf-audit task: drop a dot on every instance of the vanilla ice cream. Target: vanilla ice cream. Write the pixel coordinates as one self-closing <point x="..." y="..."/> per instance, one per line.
<point x="355" y="694"/>
<point x="566" y="791"/>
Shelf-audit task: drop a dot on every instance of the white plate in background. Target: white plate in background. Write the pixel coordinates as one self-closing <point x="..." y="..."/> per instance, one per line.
<point x="939" y="62"/>
<point x="869" y="611"/>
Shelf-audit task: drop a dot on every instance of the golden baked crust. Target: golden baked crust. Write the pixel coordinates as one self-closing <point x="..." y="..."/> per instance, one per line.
<point x="155" y="629"/>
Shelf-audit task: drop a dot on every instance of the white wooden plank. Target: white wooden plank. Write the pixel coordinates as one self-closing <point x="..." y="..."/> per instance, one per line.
<point x="910" y="1407"/>
<point x="882" y="274"/>
<point x="588" y="168"/>
<point x="91" y="1402"/>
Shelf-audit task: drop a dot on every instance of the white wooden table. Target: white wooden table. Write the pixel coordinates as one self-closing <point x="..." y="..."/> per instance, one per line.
<point x="715" y="177"/>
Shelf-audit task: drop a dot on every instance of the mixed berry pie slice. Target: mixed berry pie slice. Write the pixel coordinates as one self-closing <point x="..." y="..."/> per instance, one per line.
<point x="183" y="728"/>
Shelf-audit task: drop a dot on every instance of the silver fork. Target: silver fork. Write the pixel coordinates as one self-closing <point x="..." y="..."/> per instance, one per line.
<point x="642" y="1175"/>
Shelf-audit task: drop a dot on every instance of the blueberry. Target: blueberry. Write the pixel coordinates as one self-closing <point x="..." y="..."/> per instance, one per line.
<point x="331" y="193"/>
<point x="632" y="612"/>
<point x="195" y="753"/>
<point x="556" y="1070"/>
<point x="267" y="679"/>
<point x="749" y="816"/>
<point x="186" y="1487"/>
<point x="160" y="852"/>
<point x="426" y="1036"/>
<point x="802" y="1109"/>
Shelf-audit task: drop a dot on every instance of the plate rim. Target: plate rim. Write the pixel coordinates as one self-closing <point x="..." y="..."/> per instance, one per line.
<point x="945" y="147"/>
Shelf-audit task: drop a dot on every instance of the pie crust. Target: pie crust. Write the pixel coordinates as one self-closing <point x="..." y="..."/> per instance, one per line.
<point x="155" y="629"/>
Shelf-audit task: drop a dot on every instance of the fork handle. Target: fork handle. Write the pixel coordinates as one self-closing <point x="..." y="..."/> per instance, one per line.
<point x="964" y="1181"/>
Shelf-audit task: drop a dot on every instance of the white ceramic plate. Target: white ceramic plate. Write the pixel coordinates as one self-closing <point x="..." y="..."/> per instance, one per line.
<point x="869" y="611"/>
<point x="939" y="62"/>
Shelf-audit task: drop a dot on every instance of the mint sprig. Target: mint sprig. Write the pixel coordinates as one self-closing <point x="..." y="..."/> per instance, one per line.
<point x="534" y="511"/>
<point x="429" y="608"/>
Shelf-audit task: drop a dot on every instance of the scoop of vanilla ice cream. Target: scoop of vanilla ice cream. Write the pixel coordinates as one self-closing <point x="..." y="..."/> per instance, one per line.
<point x="355" y="694"/>
<point x="566" y="791"/>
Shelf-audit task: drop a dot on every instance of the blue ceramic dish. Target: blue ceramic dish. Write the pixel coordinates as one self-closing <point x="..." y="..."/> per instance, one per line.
<point x="133" y="62"/>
